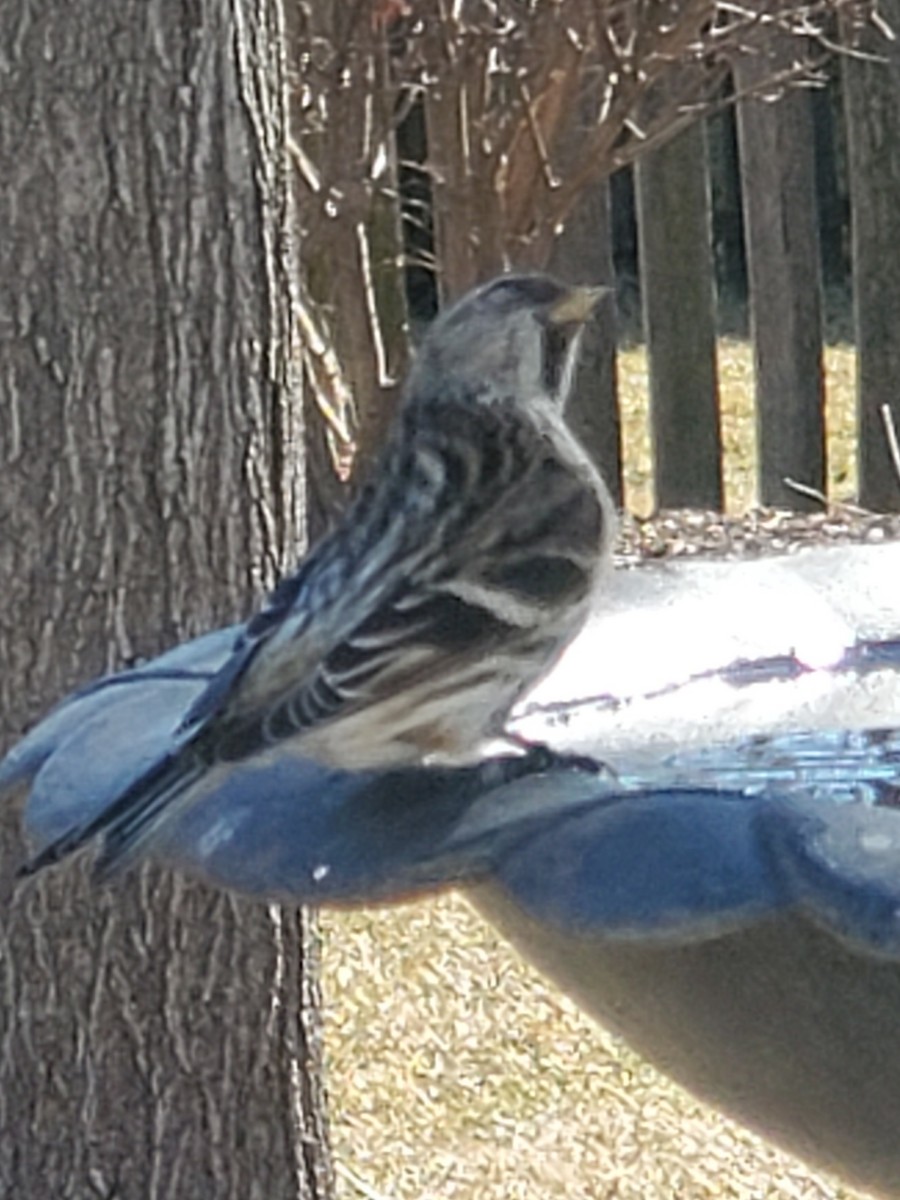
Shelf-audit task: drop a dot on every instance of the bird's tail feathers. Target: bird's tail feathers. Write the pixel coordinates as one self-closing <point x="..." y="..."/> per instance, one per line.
<point x="127" y="823"/>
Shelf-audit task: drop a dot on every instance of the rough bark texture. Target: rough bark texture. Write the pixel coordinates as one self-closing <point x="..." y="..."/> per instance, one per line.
<point x="157" y="1039"/>
<point x="678" y="299"/>
<point x="872" y="101"/>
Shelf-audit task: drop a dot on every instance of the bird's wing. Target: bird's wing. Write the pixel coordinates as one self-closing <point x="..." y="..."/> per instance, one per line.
<point x="427" y="572"/>
<point x="390" y="594"/>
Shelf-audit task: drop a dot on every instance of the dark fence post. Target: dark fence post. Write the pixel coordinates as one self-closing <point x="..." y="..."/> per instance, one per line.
<point x="678" y="298"/>
<point x="872" y="104"/>
<point x="778" y="183"/>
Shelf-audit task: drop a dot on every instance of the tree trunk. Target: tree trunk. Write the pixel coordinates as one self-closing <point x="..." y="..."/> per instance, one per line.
<point x="159" y="1039"/>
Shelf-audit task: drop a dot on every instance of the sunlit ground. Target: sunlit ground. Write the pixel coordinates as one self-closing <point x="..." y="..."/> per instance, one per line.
<point x="455" y="1072"/>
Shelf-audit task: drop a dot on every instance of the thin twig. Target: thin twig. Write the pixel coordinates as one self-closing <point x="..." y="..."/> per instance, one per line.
<point x="891" y="432"/>
<point x="365" y="265"/>
<point x="550" y="176"/>
<point x="333" y="397"/>
<point x="305" y="166"/>
<point x="805" y="490"/>
<point x="882" y="26"/>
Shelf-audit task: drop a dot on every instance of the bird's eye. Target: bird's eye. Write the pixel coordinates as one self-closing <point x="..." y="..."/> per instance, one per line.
<point x="556" y="349"/>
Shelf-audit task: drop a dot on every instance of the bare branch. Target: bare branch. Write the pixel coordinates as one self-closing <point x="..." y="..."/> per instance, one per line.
<point x="890" y="430"/>
<point x="526" y="103"/>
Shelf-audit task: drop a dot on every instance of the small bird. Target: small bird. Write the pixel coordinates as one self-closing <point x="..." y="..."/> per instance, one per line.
<point x="448" y="589"/>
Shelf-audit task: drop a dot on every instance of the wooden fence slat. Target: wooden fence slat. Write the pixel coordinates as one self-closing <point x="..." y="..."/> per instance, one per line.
<point x="797" y="161"/>
<point x="778" y="176"/>
<point x="676" y="266"/>
<point x="872" y="106"/>
<point x="583" y="254"/>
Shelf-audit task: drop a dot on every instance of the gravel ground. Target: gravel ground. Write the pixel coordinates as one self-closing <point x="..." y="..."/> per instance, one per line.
<point x="764" y="531"/>
<point x="456" y="1072"/>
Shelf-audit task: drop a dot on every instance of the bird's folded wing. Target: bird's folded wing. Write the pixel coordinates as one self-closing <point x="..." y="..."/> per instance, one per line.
<point x="368" y="615"/>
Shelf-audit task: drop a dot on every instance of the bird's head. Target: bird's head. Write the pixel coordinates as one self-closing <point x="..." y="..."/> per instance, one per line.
<point x="513" y="338"/>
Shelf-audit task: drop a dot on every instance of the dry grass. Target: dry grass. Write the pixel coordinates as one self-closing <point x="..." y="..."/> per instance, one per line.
<point x="455" y="1072"/>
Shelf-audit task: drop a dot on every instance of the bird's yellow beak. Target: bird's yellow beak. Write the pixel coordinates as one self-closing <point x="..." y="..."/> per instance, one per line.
<point x="577" y="306"/>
